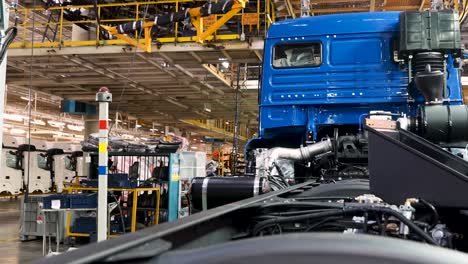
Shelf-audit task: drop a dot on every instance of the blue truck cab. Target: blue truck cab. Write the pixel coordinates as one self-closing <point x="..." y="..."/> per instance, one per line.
<point x="326" y="72"/>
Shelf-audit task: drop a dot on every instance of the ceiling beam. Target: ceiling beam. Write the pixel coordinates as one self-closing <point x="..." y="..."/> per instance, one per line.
<point x="423" y="2"/>
<point x="221" y="76"/>
<point x="290" y="9"/>
<point x="255" y="44"/>
<point x="339" y="10"/>
<point x="372" y="6"/>
<point x="337" y="1"/>
<point x="191" y="75"/>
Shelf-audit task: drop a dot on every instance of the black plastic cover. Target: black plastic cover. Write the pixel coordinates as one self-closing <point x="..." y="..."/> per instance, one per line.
<point x="220" y="7"/>
<point x="26" y="147"/>
<point x="223" y="190"/>
<point x="422" y="31"/>
<point x="403" y="165"/>
<point x="445" y="124"/>
<point x="308" y="248"/>
<point x="54" y="151"/>
<point x="77" y="154"/>
<point x="430" y="84"/>
<point x="348" y="188"/>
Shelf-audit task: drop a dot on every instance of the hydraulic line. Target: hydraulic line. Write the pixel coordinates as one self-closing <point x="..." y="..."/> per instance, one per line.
<point x="435" y="214"/>
<point x="343" y="212"/>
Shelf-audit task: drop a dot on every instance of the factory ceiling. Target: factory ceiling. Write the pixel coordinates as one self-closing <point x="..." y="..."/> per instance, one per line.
<point x="179" y="82"/>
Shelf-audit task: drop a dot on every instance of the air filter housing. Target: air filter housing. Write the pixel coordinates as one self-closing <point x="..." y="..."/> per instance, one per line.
<point x="429" y="31"/>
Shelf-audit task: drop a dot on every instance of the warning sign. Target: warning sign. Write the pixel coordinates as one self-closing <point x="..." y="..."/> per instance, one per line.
<point x="208" y="21"/>
<point x="250" y="19"/>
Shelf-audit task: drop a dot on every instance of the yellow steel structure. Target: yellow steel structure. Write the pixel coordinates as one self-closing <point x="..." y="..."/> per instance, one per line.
<point x="267" y="15"/>
<point x="27" y="23"/>
<point x="134" y="191"/>
<point x="197" y="21"/>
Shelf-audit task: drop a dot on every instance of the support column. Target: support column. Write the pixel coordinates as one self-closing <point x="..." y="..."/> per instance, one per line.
<point x="305" y="8"/>
<point x="104" y="97"/>
<point x="4" y="25"/>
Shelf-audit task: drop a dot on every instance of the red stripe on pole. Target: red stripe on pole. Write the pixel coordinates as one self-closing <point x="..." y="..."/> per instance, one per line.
<point x="102" y="124"/>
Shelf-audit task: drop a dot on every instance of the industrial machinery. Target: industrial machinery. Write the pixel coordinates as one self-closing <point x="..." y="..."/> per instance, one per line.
<point x="359" y="118"/>
<point x="36" y="169"/>
<point x="11" y="175"/>
<point x="55" y="164"/>
<point x="361" y="69"/>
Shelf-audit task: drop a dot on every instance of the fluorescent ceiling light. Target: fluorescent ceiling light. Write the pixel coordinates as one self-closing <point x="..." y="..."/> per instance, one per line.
<point x="75" y="128"/>
<point x="250" y="85"/>
<point x="225" y="64"/>
<point x="464" y="80"/>
<point x="26" y="98"/>
<point x="44" y="132"/>
<point x="193" y="147"/>
<point x="128" y="136"/>
<point x="55" y="123"/>
<point x="17" y="131"/>
<point x="13" y="117"/>
<point x="38" y="122"/>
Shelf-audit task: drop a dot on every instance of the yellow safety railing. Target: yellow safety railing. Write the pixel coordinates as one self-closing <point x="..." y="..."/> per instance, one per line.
<point x="134" y="196"/>
<point x="60" y="30"/>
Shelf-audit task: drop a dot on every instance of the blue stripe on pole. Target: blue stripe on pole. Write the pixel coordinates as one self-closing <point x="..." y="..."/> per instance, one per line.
<point x="102" y="170"/>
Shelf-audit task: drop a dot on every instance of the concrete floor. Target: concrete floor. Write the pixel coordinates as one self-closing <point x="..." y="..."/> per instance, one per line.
<point x="12" y="250"/>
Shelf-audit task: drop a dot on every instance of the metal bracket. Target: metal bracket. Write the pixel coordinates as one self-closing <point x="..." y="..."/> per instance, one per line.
<point x="197" y="21"/>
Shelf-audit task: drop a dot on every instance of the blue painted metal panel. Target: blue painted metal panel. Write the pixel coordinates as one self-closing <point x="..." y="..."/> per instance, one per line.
<point x="102" y="170"/>
<point x="174" y="193"/>
<point x="357" y="74"/>
<point x="348" y="74"/>
<point x="454" y="86"/>
<point x="76" y="107"/>
<point x="335" y="24"/>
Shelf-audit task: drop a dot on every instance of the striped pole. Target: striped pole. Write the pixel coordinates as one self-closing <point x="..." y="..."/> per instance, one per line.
<point x="104" y="97"/>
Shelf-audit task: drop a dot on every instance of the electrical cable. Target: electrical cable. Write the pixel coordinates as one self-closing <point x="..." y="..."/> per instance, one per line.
<point x="435" y="221"/>
<point x="132" y="64"/>
<point x="275" y="221"/>
<point x="323" y="198"/>
<point x="236" y="121"/>
<point x="292" y="204"/>
<point x="315" y="225"/>
<point x="10" y="35"/>
<point x="298" y="212"/>
<point x="31" y="62"/>
<point x="120" y="210"/>
<point x="342" y="212"/>
<point x="98" y="19"/>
